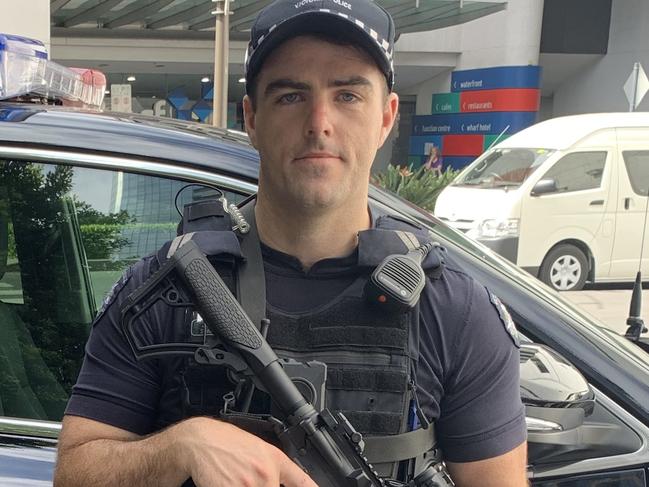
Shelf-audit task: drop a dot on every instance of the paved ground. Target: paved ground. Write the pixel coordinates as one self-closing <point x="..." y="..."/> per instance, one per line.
<point x="609" y="303"/>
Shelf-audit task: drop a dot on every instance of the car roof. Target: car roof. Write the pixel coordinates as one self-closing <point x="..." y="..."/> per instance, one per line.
<point x="152" y="138"/>
<point x="563" y="132"/>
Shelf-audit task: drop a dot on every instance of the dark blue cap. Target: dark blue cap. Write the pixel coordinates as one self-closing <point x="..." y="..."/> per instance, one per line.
<point x="364" y="22"/>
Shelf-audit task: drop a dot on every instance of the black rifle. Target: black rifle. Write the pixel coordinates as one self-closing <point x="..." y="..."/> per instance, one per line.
<point x="323" y="443"/>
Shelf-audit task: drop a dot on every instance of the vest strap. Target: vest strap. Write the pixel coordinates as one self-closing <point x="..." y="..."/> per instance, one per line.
<point x="394" y="448"/>
<point x="204" y="209"/>
<point x="251" y="281"/>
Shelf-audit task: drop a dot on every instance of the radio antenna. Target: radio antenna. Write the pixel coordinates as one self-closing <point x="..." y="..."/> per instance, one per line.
<point x="635" y="321"/>
<point x="497" y="139"/>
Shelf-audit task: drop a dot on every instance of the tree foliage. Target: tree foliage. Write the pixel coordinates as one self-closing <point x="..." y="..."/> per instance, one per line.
<point x="46" y="223"/>
<point x="101" y="233"/>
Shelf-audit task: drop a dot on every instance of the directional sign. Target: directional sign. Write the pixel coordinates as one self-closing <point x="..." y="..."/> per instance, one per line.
<point x="472" y="123"/>
<point x="462" y="145"/>
<point x="496" y="78"/>
<point x="418" y="144"/>
<point x="446" y="103"/>
<point x="505" y="100"/>
<point x="490" y="140"/>
<point x="636" y="86"/>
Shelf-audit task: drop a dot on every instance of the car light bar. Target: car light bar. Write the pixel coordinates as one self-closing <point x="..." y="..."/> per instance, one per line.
<point x="26" y="70"/>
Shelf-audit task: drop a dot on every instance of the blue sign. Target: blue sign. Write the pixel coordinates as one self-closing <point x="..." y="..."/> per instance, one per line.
<point x="202" y="110"/>
<point x="178" y="99"/>
<point x="496" y="78"/>
<point x="459" y="162"/>
<point x="418" y="144"/>
<point x="472" y="123"/>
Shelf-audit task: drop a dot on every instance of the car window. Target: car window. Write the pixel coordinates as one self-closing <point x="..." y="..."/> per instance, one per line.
<point x="66" y="235"/>
<point x="578" y="171"/>
<point x="637" y="168"/>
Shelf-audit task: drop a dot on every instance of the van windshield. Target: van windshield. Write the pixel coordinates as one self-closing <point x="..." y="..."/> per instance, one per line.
<point x="502" y="168"/>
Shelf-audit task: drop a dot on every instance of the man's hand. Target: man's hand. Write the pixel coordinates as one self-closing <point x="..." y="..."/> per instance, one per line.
<point x="211" y="452"/>
<point x="218" y="454"/>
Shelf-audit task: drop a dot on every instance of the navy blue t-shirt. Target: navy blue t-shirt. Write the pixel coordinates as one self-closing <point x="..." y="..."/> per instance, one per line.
<point x="468" y="369"/>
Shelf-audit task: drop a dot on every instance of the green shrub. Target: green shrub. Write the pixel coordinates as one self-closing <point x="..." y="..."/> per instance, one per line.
<point x="420" y="187"/>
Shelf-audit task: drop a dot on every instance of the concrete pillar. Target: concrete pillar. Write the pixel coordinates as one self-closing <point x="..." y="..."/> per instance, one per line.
<point x="27" y="18"/>
<point x="509" y="38"/>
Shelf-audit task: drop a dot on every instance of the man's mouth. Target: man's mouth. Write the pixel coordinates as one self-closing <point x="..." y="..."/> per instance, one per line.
<point x="317" y="155"/>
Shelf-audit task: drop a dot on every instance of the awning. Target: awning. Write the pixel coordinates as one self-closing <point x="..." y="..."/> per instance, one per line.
<point x="195" y="18"/>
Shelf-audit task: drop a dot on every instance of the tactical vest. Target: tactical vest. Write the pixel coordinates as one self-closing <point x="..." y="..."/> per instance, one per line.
<point x="371" y="355"/>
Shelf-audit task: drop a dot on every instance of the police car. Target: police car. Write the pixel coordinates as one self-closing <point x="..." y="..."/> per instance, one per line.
<point x="83" y="194"/>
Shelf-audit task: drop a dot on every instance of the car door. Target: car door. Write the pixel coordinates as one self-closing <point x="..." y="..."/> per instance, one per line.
<point x="631" y="224"/>
<point x="114" y="223"/>
<point x="69" y="227"/>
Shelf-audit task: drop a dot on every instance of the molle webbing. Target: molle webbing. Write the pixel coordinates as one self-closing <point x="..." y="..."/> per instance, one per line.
<point x="359" y="379"/>
<point x="375" y="422"/>
<point x="367" y="357"/>
<point x="204" y="215"/>
<point x="360" y="326"/>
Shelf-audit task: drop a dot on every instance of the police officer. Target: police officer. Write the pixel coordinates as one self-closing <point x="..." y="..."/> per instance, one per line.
<point x="319" y="104"/>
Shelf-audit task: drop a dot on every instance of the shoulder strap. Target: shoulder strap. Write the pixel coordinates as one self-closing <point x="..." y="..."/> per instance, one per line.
<point x="251" y="281"/>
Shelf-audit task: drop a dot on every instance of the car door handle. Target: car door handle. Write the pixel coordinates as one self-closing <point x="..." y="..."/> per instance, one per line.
<point x="597" y="203"/>
<point x="627" y="202"/>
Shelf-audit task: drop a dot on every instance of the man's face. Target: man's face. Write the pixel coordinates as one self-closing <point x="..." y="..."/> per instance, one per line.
<point x="321" y="114"/>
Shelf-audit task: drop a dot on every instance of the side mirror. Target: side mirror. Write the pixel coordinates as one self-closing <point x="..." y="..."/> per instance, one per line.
<point x="565" y="423"/>
<point x="544" y="186"/>
<point x="557" y="400"/>
<point x="549" y="381"/>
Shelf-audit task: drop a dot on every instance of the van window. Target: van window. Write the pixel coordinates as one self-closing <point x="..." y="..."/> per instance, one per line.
<point x="578" y="171"/>
<point x="637" y="167"/>
<point x="503" y="167"/>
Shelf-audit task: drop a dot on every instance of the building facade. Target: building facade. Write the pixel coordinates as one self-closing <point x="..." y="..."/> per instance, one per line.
<point x="585" y="50"/>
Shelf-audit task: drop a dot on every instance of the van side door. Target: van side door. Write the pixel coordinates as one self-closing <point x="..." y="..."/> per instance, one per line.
<point x="631" y="210"/>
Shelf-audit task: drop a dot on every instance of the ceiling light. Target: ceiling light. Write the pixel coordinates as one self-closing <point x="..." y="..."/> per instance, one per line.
<point x="107" y="92"/>
<point x="205" y="80"/>
<point x="242" y="80"/>
<point x="130" y="78"/>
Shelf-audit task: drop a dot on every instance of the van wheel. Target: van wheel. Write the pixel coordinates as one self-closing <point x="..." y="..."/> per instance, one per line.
<point x="564" y="268"/>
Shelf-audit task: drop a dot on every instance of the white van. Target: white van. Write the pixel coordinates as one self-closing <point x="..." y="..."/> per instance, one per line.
<point x="564" y="199"/>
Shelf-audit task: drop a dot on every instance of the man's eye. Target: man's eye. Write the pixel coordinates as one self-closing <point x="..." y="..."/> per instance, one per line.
<point x="289" y="98"/>
<point x="348" y="97"/>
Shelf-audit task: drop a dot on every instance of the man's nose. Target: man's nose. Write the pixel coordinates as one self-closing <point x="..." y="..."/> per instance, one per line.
<point x="319" y="121"/>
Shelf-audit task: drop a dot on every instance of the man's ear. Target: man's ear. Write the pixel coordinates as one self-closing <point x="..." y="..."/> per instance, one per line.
<point x="390" y="110"/>
<point x="249" y="120"/>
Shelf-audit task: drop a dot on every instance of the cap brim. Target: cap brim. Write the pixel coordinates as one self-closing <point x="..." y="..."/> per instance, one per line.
<point x="319" y="23"/>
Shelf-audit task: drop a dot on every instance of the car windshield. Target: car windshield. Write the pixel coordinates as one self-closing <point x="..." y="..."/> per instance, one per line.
<point x="502" y="168"/>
